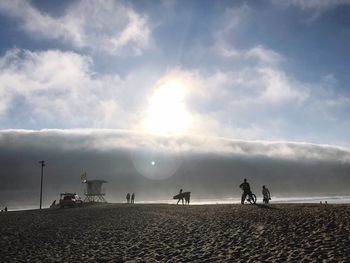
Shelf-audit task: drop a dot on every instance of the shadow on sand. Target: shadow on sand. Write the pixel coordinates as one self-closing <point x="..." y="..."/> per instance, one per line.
<point x="267" y="206"/>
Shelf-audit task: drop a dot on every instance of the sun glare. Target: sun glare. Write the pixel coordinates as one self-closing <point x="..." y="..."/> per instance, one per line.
<point x="167" y="113"/>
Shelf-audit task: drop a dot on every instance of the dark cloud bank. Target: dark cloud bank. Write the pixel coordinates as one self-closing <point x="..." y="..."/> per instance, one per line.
<point x="209" y="167"/>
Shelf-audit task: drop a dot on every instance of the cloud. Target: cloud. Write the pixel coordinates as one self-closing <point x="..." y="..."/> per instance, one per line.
<point x="259" y="101"/>
<point x="105" y="140"/>
<point x="210" y="167"/>
<point x="264" y="55"/>
<point x="55" y="88"/>
<point x="279" y="88"/>
<point x="251" y="91"/>
<point x="224" y="33"/>
<point x="60" y="89"/>
<point x="268" y="86"/>
<point x="315" y="7"/>
<point x="216" y="101"/>
<point x="328" y="103"/>
<point x="261" y="85"/>
<point x="270" y="83"/>
<point x="108" y="26"/>
<point x="328" y="94"/>
<point x="317" y="4"/>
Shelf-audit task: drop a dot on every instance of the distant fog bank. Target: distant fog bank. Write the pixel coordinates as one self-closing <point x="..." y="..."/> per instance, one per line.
<point x="156" y="168"/>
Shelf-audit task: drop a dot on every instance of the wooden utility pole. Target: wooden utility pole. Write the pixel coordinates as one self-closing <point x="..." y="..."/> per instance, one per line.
<point x="41" y="182"/>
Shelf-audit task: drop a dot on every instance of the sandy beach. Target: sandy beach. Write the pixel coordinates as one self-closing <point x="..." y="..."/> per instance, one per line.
<point x="170" y="233"/>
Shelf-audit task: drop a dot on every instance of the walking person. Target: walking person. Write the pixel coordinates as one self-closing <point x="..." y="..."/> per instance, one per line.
<point x="266" y="195"/>
<point x="133" y="198"/>
<point x="128" y="198"/>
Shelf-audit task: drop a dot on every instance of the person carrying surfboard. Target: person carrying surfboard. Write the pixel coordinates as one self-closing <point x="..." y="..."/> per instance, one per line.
<point x="181" y="197"/>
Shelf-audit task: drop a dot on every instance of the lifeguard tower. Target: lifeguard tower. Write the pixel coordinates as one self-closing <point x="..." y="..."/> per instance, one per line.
<point x="94" y="191"/>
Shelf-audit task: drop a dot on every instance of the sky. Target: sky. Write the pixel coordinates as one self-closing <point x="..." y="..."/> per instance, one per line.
<point x="248" y="72"/>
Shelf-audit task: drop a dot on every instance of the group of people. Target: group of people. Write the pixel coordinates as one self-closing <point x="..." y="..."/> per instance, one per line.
<point x="247" y="192"/>
<point x="185" y="196"/>
<point x="130" y="199"/>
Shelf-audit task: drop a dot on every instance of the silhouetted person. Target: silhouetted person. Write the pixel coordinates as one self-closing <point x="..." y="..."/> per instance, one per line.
<point x="128" y="198"/>
<point x="181" y="197"/>
<point x="246" y="190"/>
<point x="5" y="208"/>
<point x="266" y="195"/>
<point x="133" y="198"/>
<point x="187" y="196"/>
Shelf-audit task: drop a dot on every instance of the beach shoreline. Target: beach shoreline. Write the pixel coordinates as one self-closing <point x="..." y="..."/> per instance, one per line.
<point x="176" y="233"/>
<point x="330" y="199"/>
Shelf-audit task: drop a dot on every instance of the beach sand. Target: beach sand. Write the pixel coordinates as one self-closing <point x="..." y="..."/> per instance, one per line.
<point x="170" y="233"/>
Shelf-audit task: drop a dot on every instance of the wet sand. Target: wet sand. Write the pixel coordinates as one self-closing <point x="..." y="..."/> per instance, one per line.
<point x="170" y="233"/>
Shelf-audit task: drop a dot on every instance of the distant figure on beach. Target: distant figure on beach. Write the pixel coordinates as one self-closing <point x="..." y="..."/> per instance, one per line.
<point x="5" y="208"/>
<point x="246" y="190"/>
<point x="266" y="195"/>
<point x="133" y="198"/>
<point x="128" y="198"/>
<point x="181" y="197"/>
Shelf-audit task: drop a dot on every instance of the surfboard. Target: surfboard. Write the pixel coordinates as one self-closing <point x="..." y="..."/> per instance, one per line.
<point x="182" y="195"/>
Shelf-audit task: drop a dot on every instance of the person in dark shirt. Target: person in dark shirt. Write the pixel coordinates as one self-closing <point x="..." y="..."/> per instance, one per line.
<point x="128" y="198"/>
<point x="133" y="198"/>
<point x="266" y="195"/>
<point x="246" y="190"/>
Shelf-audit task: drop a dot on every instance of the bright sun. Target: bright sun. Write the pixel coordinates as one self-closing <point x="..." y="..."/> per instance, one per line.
<point x="167" y="113"/>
